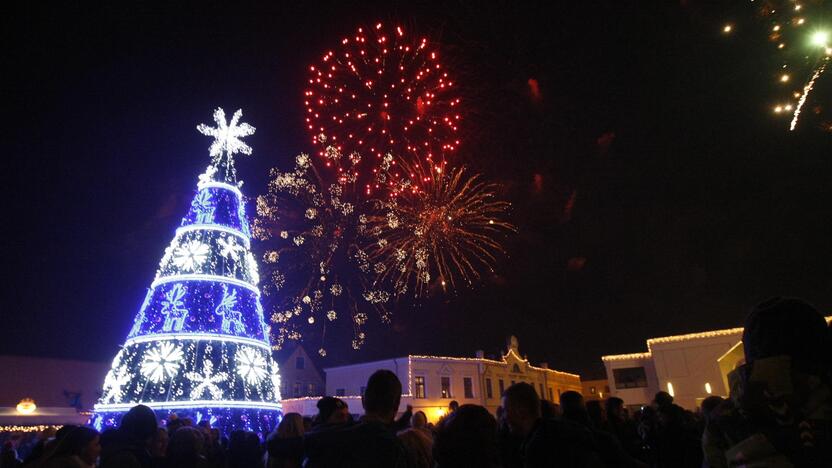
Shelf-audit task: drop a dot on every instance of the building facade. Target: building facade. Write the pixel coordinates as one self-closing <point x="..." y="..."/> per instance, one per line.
<point x="430" y="383"/>
<point x="598" y="389"/>
<point x="686" y="366"/>
<point x="298" y="375"/>
<point x="58" y="391"/>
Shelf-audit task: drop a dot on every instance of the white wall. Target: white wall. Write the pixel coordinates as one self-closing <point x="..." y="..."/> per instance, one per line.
<point x="351" y="378"/>
<point x="689" y="364"/>
<point x="633" y="396"/>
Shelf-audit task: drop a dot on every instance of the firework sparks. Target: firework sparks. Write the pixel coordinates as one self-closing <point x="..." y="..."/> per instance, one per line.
<point x="801" y="50"/>
<point x="312" y="259"/>
<point x="806" y="90"/>
<point x="446" y="234"/>
<point x="381" y="91"/>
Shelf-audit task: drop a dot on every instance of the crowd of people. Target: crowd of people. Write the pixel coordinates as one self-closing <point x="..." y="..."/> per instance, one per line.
<point x="778" y="414"/>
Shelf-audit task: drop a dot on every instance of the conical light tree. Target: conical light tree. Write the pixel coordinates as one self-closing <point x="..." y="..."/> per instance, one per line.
<point x="199" y="344"/>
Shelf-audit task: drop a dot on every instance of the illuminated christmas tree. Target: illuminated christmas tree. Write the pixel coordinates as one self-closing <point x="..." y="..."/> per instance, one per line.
<point x="199" y="344"/>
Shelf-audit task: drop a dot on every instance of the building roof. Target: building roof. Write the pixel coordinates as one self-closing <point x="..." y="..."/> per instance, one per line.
<point x="677" y="338"/>
<point x="462" y="359"/>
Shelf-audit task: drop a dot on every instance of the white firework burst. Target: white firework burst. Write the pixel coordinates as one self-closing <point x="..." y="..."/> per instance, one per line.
<point x="191" y="255"/>
<point x="251" y="365"/>
<point x="161" y="362"/>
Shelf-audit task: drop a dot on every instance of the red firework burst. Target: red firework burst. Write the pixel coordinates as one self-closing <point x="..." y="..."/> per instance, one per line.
<point x="381" y="92"/>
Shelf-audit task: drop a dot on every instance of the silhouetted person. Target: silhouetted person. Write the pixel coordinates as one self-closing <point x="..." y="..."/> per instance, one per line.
<point x="418" y="447"/>
<point x="453" y="406"/>
<point x="419" y="421"/>
<point x="546" y="442"/>
<point x="780" y="409"/>
<point x="285" y="444"/>
<point x="510" y="442"/>
<point x="159" y="446"/>
<point x="596" y="414"/>
<point x="185" y="449"/>
<point x="331" y="410"/>
<point x="712" y="408"/>
<point x="8" y="456"/>
<point x="368" y="443"/>
<point x="468" y="438"/>
<point x="610" y="449"/>
<point x="677" y="440"/>
<point x="549" y="410"/>
<point x="129" y="446"/>
<point x="622" y="427"/>
<point x="80" y="448"/>
<point x="244" y="450"/>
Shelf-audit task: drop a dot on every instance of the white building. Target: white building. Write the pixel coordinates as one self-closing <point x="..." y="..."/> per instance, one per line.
<point x="430" y="383"/>
<point x="686" y="366"/>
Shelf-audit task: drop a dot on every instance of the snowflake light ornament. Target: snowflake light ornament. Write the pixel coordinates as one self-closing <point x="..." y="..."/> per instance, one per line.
<point x="230" y="248"/>
<point x="114" y="384"/>
<point x="250" y="365"/>
<point x="191" y="255"/>
<point x="161" y="362"/>
<point x="227" y="140"/>
<point x="207" y="381"/>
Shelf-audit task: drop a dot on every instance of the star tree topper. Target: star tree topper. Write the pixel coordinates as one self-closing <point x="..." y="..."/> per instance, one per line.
<point x="227" y="141"/>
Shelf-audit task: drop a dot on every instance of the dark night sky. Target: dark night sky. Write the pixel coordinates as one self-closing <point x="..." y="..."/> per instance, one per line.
<point x="692" y="203"/>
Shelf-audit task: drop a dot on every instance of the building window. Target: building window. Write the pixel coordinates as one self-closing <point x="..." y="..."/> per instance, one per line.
<point x="542" y="395"/>
<point x="551" y="396"/>
<point x="630" y="377"/>
<point x="446" y="387"/>
<point x="296" y="389"/>
<point x="468" y="387"/>
<point x="419" y="386"/>
<point x="340" y="392"/>
<point x="310" y="389"/>
<point x="488" y="392"/>
<point x="299" y="363"/>
<point x="516" y="369"/>
<point x="502" y="387"/>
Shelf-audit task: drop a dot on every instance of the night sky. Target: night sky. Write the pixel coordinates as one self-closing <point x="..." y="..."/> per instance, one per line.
<point x="654" y="191"/>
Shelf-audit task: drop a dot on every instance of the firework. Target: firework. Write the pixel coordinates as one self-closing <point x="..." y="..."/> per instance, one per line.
<point x="803" y="48"/>
<point x="316" y="270"/>
<point x="445" y="234"/>
<point x="381" y="91"/>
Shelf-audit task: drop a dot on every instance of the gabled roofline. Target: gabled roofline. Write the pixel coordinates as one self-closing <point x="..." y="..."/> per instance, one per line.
<point x="502" y="362"/>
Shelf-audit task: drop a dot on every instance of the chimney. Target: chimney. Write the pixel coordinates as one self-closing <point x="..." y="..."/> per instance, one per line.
<point x="544" y="365"/>
<point x="479" y="353"/>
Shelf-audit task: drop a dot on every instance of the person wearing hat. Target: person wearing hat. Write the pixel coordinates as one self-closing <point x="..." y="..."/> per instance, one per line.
<point x="331" y="410"/>
<point x="780" y="408"/>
